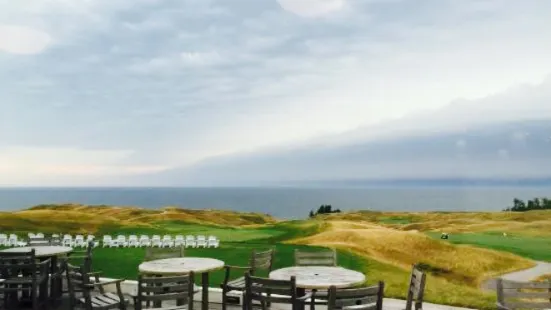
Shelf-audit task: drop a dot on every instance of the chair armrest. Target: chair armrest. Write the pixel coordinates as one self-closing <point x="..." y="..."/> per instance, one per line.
<point x="118" y="281"/>
<point x="306" y="297"/>
<point x="94" y="273"/>
<point x="237" y="267"/>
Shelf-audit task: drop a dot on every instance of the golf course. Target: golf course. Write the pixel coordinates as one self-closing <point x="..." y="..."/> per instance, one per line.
<point x="383" y="245"/>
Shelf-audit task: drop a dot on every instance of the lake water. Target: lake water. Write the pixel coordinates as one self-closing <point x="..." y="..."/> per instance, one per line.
<point x="280" y="202"/>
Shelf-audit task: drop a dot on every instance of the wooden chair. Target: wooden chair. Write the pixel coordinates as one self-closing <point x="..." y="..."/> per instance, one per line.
<point x="268" y="291"/>
<point x="523" y="295"/>
<point x="79" y="281"/>
<point x="158" y="289"/>
<point x="367" y="298"/>
<point x="161" y="253"/>
<point x="416" y="289"/>
<point x="316" y="258"/>
<point x="22" y="273"/>
<point x="258" y="261"/>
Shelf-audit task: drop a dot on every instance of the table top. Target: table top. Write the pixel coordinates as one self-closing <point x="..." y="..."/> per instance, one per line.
<point x="180" y="265"/>
<point x="320" y="277"/>
<point x="42" y="250"/>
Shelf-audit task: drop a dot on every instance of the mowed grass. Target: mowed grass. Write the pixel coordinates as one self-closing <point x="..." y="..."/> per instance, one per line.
<point x="124" y="262"/>
<point x="537" y="248"/>
<point x="225" y="234"/>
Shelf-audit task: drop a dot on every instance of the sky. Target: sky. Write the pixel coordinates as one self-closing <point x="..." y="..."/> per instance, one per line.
<point x="95" y="90"/>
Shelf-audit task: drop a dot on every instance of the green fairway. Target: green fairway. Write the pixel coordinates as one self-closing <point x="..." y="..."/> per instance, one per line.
<point x="124" y="262"/>
<point x="537" y="248"/>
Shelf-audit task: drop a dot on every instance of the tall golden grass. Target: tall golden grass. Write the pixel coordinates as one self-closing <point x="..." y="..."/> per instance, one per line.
<point x="534" y="223"/>
<point x="455" y="272"/>
<point x="81" y="218"/>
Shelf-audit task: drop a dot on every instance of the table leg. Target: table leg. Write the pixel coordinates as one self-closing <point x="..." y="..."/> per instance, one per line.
<point x="205" y="293"/>
<point x="301" y="292"/>
<point x="55" y="281"/>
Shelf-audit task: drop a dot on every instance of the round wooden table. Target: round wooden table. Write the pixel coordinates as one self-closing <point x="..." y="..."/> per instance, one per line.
<point x="319" y="277"/>
<point x="42" y="250"/>
<point x="184" y="265"/>
<point x="47" y="251"/>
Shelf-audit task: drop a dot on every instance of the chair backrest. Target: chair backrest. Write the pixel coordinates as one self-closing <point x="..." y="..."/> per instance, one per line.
<point x="159" y="289"/>
<point x="67" y="237"/>
<point x="23" y="263"/>
<point x="190" y="237"/>
<point x="167" y="237"/>
<point x="365" y="298"/>
<point x="179" y="238"/>
<point x="523" y="295"/>
<point x="160" y="253"/>
<point x="416" y="289"/>
<point x="132" y="238"/>
<point x="261" y="260"/>
<point x="144" y="237"/>
<point x="107" y="238"/>
<point x="261" y="289"/>
<point x="156" y="237"/>
<point x="78" y="281"/>
<point x="315" y="258"/>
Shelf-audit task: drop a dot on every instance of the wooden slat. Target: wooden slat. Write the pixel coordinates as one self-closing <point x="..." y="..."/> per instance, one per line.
<point x="166" y="289"/>
<point x="517" y="285"/>
<point x="529" y="305"/>
<point x="270" y="282"/>
<point x="518" y="294"/>
<point x="356" y="301"/>
<point x="417" y="273"/>
<point x="160" y="297"/>
<point x="367" y="291"/>
<point x="272" y="290"/>
<point x="319" y="254"/>
<point x="372" y="306"/>
<point x="160" y="280"/>
<point x="315" y="262"/>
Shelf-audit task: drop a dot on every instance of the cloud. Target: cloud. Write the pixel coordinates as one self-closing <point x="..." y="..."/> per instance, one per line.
<point x="312" y="8"/>
<point x="174" y="86"/>
<point x="23" y="40"/>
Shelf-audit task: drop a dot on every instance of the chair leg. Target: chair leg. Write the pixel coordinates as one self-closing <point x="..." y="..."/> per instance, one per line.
<point x="224" y="299"/>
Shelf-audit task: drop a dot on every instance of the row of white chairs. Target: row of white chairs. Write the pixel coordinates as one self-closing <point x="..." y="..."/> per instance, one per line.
<point x="11" y="240"/>
<point x="162" y="242"/>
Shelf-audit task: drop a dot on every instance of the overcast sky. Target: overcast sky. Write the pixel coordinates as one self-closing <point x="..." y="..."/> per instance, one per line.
<point x="98" y="88"/>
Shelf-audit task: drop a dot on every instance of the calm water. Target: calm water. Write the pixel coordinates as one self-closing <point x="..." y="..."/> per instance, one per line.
<point x="280" y="202"/>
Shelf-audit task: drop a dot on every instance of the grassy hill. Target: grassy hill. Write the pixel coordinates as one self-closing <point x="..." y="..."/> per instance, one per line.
<point x="383" y="245"/>
<point x="75" y="218"/>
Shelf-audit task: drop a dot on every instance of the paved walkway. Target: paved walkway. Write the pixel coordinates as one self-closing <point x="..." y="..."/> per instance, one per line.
<point x="526" y="275"/>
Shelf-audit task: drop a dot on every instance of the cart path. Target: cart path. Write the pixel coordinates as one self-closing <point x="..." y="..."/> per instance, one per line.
<point x="541" y="268"/>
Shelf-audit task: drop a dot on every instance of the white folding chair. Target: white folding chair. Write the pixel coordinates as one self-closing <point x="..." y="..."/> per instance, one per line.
<point x="156" y="241"/>
<point x="179" y="241"/>
<point x="12" y="240"/>
<point x="133" y="241"/>
<point x="108" y="241"/>
<point x="79" y="241"/>
<point x="67" y="241"/>
<point x="121" y="241"/>
<point x="144" y="241"/>
<point x="213" y="242"/>
<point x="190" y="241"/>
<point x="167" y="241"/>
<point x="201" y="241"/>
<point x="3" y="240"/>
